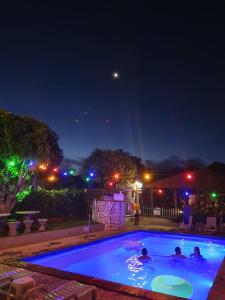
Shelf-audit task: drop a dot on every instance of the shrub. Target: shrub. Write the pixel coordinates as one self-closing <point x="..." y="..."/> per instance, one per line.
<point x="56" y="203"/>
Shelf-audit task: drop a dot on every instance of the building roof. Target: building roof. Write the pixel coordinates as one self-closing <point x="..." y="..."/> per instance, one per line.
<point x="204" y="179"/>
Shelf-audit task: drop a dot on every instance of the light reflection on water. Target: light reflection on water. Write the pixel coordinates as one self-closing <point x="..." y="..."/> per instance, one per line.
<point x="139" y="271"/>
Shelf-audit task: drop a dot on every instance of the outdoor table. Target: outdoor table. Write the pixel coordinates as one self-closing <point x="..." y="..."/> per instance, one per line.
<point x="4" y="215"/>
<point x="28" y="213"/>
<point x="27" y="220"/>
<point x="3" y="218"/>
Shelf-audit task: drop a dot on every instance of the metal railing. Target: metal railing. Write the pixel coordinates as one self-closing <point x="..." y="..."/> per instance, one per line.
<point x="147" y="211"/>
<point x="169" y="213"/>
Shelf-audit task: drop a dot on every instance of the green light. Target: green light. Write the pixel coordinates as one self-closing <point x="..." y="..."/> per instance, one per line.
<point x="12" y="163"/>
<point x="23" y="194"/>
<point x="172" y="285"/>
<point x="214" y="195"/>
<point x="72" y="172"/>
<point x="87" y="179"/>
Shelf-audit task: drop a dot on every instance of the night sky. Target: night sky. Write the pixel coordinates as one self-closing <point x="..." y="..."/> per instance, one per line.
<point x="56" y="64"/>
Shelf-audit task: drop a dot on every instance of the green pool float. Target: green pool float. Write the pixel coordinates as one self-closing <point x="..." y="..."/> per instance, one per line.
<point x="172" y="285"/>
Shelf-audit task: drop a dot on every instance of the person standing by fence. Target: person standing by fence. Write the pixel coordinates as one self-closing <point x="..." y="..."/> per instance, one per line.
<point x="186" y="214"/>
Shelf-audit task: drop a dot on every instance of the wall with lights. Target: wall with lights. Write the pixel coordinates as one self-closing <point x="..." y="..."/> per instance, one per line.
<point x="110" y="211"/>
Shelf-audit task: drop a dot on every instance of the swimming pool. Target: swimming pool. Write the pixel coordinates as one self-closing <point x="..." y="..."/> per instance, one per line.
<point x="115" y="259"/>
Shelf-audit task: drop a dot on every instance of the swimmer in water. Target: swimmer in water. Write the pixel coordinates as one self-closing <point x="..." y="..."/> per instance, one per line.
<point x="144" y="257"/>
<point x="178" y="253"/>
<point x="196" y="254"/>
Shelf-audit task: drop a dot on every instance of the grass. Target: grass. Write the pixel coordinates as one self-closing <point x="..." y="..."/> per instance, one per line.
<point x="67" y="224"/>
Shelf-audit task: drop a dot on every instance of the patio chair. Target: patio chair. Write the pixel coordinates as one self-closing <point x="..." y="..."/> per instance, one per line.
<point x="211" y="224"/>
<point x="6" y="278"/>
<point x="71" y="290"/>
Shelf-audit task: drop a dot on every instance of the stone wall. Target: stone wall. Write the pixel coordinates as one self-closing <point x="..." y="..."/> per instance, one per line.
<point x="26" y="239"/>
<point x="110" y="211"/>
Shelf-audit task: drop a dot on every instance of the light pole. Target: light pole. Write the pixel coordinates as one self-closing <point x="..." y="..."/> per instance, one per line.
<point x="138" y="188"/>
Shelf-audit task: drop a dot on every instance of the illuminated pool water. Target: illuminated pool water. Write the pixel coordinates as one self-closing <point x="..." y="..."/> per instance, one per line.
<point x="115" y="259"/>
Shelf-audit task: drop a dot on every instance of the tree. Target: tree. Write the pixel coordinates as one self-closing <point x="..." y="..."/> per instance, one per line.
<point x="24" y="144"/>
<point x="105" y="164"/>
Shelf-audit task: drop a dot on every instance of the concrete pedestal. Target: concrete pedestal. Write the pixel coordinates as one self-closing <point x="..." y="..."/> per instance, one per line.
<point x="27" y="224"/>
<point x="13" y="227"/>
<point x="42" y="223"/>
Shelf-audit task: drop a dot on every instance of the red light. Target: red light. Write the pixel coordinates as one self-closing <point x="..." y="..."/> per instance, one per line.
<point x="189" y="176"/>
<point x="160" y="191"/>
<point x="55" y="169"/>
<point x="111" y="183"/>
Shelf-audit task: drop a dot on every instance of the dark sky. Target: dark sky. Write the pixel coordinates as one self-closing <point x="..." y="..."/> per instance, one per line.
<point x="56" y="61"/>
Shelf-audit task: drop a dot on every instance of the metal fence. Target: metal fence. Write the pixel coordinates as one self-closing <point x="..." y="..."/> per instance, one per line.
<point x="169" y="213"/>
<point x="147" y="211"/>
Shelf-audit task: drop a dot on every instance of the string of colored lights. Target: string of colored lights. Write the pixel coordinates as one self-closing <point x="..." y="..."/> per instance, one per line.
<point x="14" y="162"/>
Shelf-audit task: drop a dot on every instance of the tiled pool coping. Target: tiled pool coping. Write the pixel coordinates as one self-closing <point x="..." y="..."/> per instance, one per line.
<point x="216" y="292"/>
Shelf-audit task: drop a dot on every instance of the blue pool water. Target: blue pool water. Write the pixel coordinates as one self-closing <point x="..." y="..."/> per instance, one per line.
<point x="115" y="259"/>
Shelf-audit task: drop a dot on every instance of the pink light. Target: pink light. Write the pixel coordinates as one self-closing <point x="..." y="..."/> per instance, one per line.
<point x="55" y="169"/>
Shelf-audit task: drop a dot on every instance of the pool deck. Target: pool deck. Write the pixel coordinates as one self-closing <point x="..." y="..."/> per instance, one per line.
<point x="10" y="257"/>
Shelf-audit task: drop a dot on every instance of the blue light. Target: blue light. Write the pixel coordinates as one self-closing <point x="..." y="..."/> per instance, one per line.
<point x="206" y="283"/>
<point x="65" y="173"/>
<point x="186" y="193"/>
<point x="92" y="174"/>
<point x="30" y="163"/>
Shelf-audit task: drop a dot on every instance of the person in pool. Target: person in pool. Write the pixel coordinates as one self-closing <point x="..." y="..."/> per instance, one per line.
<point x="144" y="257"/>
<point x="196" y="254"/>
<point x="178" y="253"/>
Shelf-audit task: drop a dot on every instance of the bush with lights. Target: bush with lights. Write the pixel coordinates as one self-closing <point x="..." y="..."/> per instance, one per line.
<point x="27" y="147"/>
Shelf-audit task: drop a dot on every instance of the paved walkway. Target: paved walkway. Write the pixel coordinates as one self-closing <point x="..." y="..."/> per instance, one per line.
<point x="53" y="282"/>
